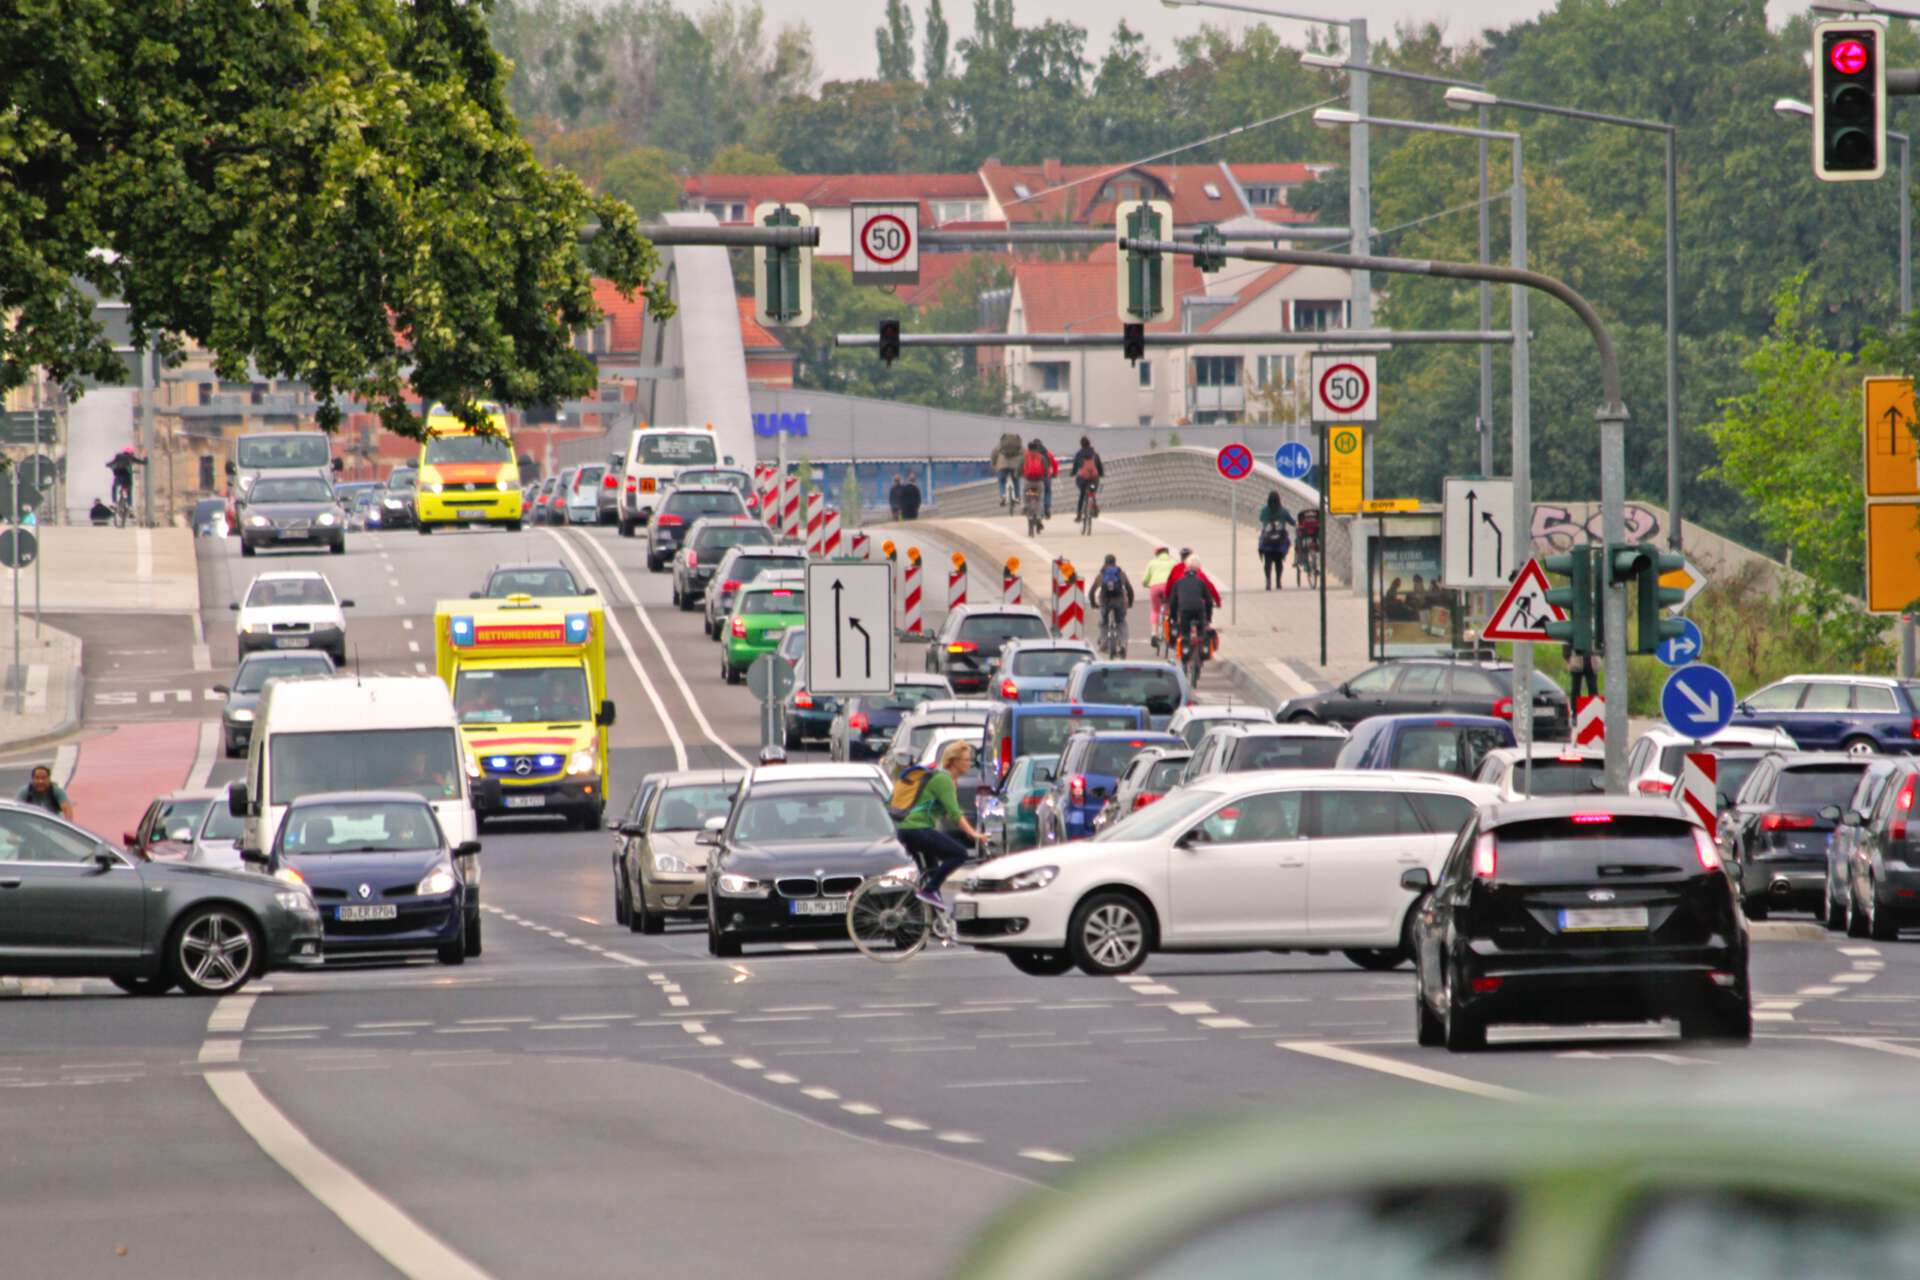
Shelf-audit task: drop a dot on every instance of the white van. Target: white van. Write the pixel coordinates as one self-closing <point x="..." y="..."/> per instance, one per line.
<point x="382" y="733"/>
<point x="654" y="456"/>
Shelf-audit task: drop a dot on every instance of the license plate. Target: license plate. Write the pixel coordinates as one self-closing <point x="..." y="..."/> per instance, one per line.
<point x="819" y="907"/>
<point x="375" y="911"/>
<point x="966" y="911"/>
<point x="472" y="513"/>
<point x="646" y="485"/>
<point x="773" y="634"/>
<point x="1602" y="919"/>
<point x="1050" y="695"/>
<point x="526" y="802"/>
<point x="290" y="642"/>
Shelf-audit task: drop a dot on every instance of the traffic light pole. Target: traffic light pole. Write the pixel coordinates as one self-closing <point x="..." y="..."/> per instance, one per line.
<point x="1613" y="429"/>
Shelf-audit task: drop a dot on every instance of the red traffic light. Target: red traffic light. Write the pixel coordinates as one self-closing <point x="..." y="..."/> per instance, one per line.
<point x="1849" y="57"/>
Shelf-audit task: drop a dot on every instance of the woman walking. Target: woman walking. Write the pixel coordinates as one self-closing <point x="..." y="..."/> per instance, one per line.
<point x="1276" y="538"/>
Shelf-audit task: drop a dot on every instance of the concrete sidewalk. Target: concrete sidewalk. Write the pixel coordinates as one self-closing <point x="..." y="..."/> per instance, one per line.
<point x="52" y="705"/>
<point x="1274" y="640"/>
<point x="84" y="569"/>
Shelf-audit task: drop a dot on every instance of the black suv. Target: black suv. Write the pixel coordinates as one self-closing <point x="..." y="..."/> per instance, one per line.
<point x="705" y="546"/>
<point x="1407" y="685"/>
<point x="970" y="640"/>
<point x="682" y="507"/>
<point x="1578" y="910"/>
<point x="1774" y="835"/>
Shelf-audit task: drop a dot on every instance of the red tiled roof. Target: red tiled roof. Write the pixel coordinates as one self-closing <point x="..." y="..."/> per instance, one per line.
<point x="754" y="336"/>
<point x="835" y="190"/>
<point x="1091" y="202"/>
<point x="627" y="314"/>
<point x="1248" y="293"/>
<point x="1286" y="174"/>
<point x="1056" y="294"/>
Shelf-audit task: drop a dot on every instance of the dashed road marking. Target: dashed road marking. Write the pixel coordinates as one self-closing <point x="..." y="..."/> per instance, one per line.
<point x="1404" y="1070"/>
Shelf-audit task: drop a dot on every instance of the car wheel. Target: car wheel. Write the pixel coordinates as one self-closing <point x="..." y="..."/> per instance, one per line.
<point x="676" y="596"/>
<point x="338" y="548"/>
<point x="1860" y="746"/>
<point x="726" y="671"/>
<point x="1109" y="935"/>
<point x="792" y="739"/>
<point x="1041" y="964"/>
<point x="653" y="564"/>
<point x="626" y="529"/>
<point x="473" y="935"/>
<point x="246" y="548"/>
<point x="1376" y="959"/>
<point x="1464" y="1031"/>
<point x="1755" y="909"/>
<point x="158" y="985"/>
<point x="645" y="919"/>
<point x="622" y="898"/>
<point x="718" y="944"/>
<point x="1882" y="924"/>
<point x="213" y="952"/>
<point x="513" y="526"/>
<point x="1428" y="1030"/>
<point x="1730" y="1024"/>
<point x="1830" y="911"/>
<point x="424" y="528"/>
<point x="234" y="750"/>
<point x="454" y="952"/>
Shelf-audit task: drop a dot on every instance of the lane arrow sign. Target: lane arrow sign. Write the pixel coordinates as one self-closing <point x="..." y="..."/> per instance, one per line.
<point x="839" y="635"/>
<point x="1499" y="542"/>
<point x="1472" y="497"/>
<point x="855" y="624"/>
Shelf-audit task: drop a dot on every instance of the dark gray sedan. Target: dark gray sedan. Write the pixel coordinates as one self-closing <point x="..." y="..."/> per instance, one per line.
<point x="72" y="905"/>
<point x="243" y="695"/>
<point x="292" y="511"/>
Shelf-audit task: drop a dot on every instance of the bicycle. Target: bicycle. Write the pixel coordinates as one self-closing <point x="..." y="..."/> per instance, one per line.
<point x="1010" y="491"/>
<point x="888" y="922"/>
<point x="1306" y="560"/>
<point x="1113" y="634"/>
<point x="122" y="511"/>
<point x="1089" y="508"/>
<point x="1031" y="505"/>
<point x="1196" y="643"/>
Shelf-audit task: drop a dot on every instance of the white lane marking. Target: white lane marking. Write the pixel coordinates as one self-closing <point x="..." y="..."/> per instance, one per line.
<point x="1819" y="991"/>
<point x="673" y="668"/>
<point x="957" y="1138"/>
<point x="220" y="1051"/>
<point x="907" y="1126"/>
<point x="203" y="755"/>
<point x="1155" y="989"/>
<point x="820" y="1093"/>
<point x="1852" y="977"/>
<point x="230" y="1014"/>
<point x="749" y="1064"/>
<point x="1221" y="1024"/>
<point x="1878" y="1046"/>
<point x="413" y="646"/>
<point x="780" y="1077"/>
<point x="1045" y="1156"/>
<point x="859" y="1109"/>
<point x="420" y="668"/>
<point x="406" y="624"/>
<point x="1191" y="1008"/>
<point x="1404" y="1070"/>
<point x="1859" y="951"/>
<point x="1010" y="1084"/>
<point x="409" y="1247"/>
<point x="626" y="646"/>
<point x="1870" y="964"/>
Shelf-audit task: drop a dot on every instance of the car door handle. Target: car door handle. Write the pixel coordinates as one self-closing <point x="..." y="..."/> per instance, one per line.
<point x="1293" y="862"/>
<point x="1410" y="859"/>
<point x="11" y="882"/>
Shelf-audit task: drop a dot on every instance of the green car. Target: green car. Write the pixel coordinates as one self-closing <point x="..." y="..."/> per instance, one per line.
<point x="762" y="612"/>
<point x="1008" y="815"/>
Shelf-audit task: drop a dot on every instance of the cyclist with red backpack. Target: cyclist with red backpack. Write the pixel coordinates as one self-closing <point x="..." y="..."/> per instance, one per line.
<point x="1037" y="469"/>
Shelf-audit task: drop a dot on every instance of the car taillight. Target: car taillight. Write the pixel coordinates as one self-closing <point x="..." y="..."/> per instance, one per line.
<point x="633" y="485"/>
<point x="1485" y="860"/>
<point x="1703" y="849"/>
<point x="663" y="520"/>
<point x="693" y="558"/>
<point x="1503" y="708"/>
<point x="1913" y="730"/>
<point x="1030" y="802"/>
<point x="1006" y="755"/>
<point x="1655" y="787"/>
<point x="1077" y="789"/>
<point x="1590" y="819"/>
<point x="803" y="699"/>
<point x="610" y="482"/>
<point x="1901" y="804"/>
<point x="730" y="585"/>
<point x="858" y="722"/>
<point x="739" y="628"/>
<point x="1786" y="822"/>
<point x="1144" y="799"/>
<point x="1009" y="690"/>
<point x="963" y="646"/>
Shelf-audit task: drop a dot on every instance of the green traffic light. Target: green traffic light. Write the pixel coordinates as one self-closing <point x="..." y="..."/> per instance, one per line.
<point x="1576" y="598"/>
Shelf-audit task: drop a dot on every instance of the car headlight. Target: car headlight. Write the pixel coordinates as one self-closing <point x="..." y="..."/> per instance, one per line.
<point x="393" y="503"/>
<point x="432" y="486"/>
<point x="287" y="875"/>
<point x="671" y="862"/>
<point x="298" y="901"/>
<point x="254" y="628"/>
<point x="1036" y="878"/>
<point x="326" y="517"/>
<point x="240" y="715"/>
<point x="583" y="762"/>
<point x="473" y="767"/>
<point x="439" y="880"/>
<point x="738" y="886"/>
<point x="259" y="522"/>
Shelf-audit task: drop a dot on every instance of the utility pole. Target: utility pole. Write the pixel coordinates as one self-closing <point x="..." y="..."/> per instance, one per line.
<point x="148" y="383"/>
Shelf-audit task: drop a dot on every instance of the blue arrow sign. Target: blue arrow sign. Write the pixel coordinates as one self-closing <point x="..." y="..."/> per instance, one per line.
<point x="1697" y="700"/>
<point x="1678" y="651"/>
<point x="1293" y="460"/>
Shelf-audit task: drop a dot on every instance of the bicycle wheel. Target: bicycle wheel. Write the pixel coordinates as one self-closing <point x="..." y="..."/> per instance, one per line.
<point x="886" y="921"/>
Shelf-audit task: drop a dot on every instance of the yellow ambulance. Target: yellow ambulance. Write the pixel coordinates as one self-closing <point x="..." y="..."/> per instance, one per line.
<point x="529" y="683"/>
<point x="467" y="477"/>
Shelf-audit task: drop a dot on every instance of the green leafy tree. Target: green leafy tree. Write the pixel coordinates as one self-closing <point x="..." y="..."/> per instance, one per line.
<point x="644" y="178"/>
<point x="334" y="192"/>
<point x="933" y="66"/>
<point x="894" y="42"/>
<point x="735" y="158"/>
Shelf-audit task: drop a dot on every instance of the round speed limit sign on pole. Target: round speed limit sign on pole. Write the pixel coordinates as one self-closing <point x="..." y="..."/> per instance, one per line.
<point x="886" y="242"/>
<point x="1345" y="389"/>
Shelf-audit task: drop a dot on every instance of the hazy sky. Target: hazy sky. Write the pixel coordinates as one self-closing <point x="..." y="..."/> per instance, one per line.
<point x="843" y="29"/>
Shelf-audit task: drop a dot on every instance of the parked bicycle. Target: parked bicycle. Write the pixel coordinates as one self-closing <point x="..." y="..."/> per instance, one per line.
<point x="1306" y="550"/>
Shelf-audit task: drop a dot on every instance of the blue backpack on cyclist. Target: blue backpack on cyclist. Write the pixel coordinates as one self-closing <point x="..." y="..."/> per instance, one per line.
<point x="1110" y="580"/>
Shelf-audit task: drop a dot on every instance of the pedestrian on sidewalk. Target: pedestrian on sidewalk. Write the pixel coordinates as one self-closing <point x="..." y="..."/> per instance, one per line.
<point x="44" y="793"/>
<point x="893" y="495"/>
<point x="1276" y="539"/>
<point x="909" y="498"/>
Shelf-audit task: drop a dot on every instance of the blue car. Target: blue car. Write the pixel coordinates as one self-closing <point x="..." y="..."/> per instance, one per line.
<point x="1856" y="714"/>
<point x="1042" y="729"/>
<point x="382" y="873"/>
<point x="1037" y="670"/>
<point x="1433" y="743"/>
<point x="1089" y="769"/>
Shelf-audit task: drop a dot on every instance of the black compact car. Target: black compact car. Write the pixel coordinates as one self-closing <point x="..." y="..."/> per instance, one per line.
<point x="705" y="546"/>
<point x="1848" y="838"/>
<point x="1410" y="685"/>
<point x="243" y="695"/>
<point x="1579" y="910"/>
<point x="968" y="647"/>
<point x="292" y="511"/>
<point x="683" y="506"/>
<point x="396" y="499"/>
<point x="72" y="905"/>
<point x="535" y="578"/>
<point x="789" y="856"/>
<point x="1774" y="835"/>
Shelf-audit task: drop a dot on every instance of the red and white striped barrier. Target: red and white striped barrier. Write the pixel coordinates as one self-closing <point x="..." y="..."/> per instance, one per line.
<point x="889" y="553"/>
<point x="816" y="521"/>
<point x="1700" y="789"/>
<point x="790" y="506"/>
<point x="1590" y="722"/>
<point x="830" y="536"/>
<point x="910" y="622"/>
<point x="767" y="486"/>
<point x="860" y="545"/>
<point x="1069" y="603"/>
<point x="1012" y="590"/>
<point x="957" y="582"/>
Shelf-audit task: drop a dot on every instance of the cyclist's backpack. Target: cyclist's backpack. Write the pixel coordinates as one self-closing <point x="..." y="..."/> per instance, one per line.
<point x="1090" y="469"/>
<point x="906" y="790"/>
<point x="1110" y="579"/>
<point x="1036" y="466"/>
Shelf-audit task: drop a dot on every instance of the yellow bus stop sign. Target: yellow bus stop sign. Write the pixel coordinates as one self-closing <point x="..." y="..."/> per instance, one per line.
<point x="1346" y="469"/>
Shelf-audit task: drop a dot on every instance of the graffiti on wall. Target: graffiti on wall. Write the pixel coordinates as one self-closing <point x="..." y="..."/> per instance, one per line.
<point x="1555" y="528"/>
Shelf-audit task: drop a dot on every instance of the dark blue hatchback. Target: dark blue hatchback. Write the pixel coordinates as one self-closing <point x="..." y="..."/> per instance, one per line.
<point x="1436" y="744"/>
<point x="1856" y="714"/>
<point x="1090" y="768"/>
<point x="382" y="873"/>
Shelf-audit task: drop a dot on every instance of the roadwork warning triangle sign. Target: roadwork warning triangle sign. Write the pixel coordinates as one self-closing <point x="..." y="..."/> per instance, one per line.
<point x="1523" y="613"/>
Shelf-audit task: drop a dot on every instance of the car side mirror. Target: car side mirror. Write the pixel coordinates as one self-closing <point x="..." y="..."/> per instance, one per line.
<point x="1853" y="818"/>
<point x="235" y="606"/>
<point x="220" y="688"/>
<point x="467" y="849"/>
<point x="588" y="591"/>
<point x="129" y="839"/>
<point x="339" y="465"/>
<point x="237" y="800"/>
<point x="715" y="825"/>
<point x="1416" y="879"/>
<point x="605" y="718"/>
<point x="1830" y="813"/>
<point x="710" y="839"/>
<point x="253" y="858"/>
<point x="631" y="829"/>
<point x="1346" y="690"/>
<point x="476" y="595"/>
<point x="346" y="604"/>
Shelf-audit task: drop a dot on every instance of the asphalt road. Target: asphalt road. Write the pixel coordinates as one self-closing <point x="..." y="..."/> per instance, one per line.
<point x="585" y="1101"/>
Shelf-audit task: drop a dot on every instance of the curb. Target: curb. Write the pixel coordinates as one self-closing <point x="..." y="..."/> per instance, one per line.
<point x="76" y="703"/>
<point x="1786" y="931"/>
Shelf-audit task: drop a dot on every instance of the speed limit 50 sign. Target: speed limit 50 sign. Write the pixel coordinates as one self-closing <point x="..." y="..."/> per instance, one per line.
<point x="886" y="242"/>
<point x="1345" y="389"/>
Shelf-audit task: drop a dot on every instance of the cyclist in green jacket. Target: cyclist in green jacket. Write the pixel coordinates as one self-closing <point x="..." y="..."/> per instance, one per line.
<point x="937" y="852"/>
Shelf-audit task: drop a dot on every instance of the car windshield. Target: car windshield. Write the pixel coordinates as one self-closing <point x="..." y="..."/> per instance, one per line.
<point x="274" y="453"/>
<point x="920" y="735"/>
<point x="1196" y="728"/>
<point x="1594" y="847"/>
<point x="838" y="815"/>
<point x="1155" y="688"/>
<point x="220" y="824"/>
<point x="177" y="819"/>
<point x="587" y="477"/>
<point x="403" y="481"/>
<point x="290" y="489"/>
<point x="793" y="645"/>
<point x="425" y="761"/>
<point x="255" y="672"/>
<point x="1731" y="773"/>
<point x="687" y="808"/>
<point x="1047" y="735"/>
<point x="675" y="449"/>
<point x="1583" y="777"/>
<point x="937" y="741"/>
<point x="774" y="600"/>
<point x="720" y="537"/>
<point x="531" y="582"/>
<point x="1816" y="788"/>
<point x="468" y="448"/>
<point x="1112" y="758"/>
<point x="277" y="593"/>
<point x="521" y="695"/>
<point x="1165" y="774"/>
<point x="683" y="503"/>
<point x="1454" y="749"/>
<point x="907" y="696"/>
<point x="1157" y="819"/>
<point x="998" y="628"/>
<point x="739" y="480"/>
<point x="385" y="826"/>
<point x="1286" y="753"/>
<point x="1049" y="662"/>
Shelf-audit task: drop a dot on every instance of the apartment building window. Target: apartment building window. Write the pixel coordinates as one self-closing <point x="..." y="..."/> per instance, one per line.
<point x="1261" y="197"/>
<point x="1319" y="316"/>
<point x="1146" y="375"/>
<point x="1054" y="374"/>
<point x="206" y="471"/>
<point x="1216" y="371"/>
<point x="1274" y="370"/>
<point x="959" y="211"/>
<point x="205" y="390"/>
